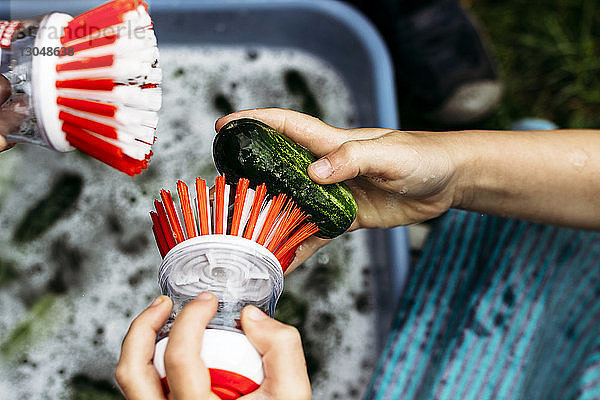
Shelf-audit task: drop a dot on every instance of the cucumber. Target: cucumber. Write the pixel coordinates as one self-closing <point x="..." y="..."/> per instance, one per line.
<point x="247" y="148"/>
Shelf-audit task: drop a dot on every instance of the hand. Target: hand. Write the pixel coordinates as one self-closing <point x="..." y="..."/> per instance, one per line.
<point x="397" y="178"/>
<point x="6" y="116"/>
<point x="187" y="376"/>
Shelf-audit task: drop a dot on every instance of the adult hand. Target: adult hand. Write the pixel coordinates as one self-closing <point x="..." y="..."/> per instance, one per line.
<point x="6" y="117"/>
<point x="397" y="178"/>
<point x="187" y="376"/>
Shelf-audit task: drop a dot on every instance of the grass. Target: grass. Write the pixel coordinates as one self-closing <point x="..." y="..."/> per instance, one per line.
<point x="549" y="58"/>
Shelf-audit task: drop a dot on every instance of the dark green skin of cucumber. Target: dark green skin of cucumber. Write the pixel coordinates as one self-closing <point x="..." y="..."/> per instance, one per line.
<point x="247" y="148"/>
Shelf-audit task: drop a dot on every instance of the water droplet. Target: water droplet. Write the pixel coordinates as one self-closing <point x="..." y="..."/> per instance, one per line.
<point x="578" y="158"/>
<point x="323" y="259"/>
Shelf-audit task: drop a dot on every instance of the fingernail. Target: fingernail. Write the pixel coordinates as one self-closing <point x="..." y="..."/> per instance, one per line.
<point x="255" y="314"/>
<point x="157" y="301"/>
<point x="321" y="168"/>
<point x="204" y="296"/>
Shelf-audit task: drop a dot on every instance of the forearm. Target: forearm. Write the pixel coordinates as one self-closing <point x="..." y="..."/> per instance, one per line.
<point x="542" y="176"/>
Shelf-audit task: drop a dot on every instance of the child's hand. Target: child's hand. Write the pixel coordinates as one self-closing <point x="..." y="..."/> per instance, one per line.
<point x="398" y="178"/>
<point x="6" y="116"/>
<point x="187" y="376"/>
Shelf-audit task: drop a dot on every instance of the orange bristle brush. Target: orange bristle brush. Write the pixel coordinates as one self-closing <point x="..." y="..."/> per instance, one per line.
<point x="97" y="89"/>
<point x="274" y="222"/>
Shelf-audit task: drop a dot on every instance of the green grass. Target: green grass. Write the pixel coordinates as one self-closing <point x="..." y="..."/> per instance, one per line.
<point x="549" y="59"/>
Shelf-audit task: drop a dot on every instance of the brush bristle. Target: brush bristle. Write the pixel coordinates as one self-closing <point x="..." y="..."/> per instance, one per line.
<point x="107" y="86"/>
<point x="275" y="223"/>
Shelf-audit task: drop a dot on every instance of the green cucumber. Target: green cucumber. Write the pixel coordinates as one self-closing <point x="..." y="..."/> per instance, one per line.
<point x="247" y="148"/>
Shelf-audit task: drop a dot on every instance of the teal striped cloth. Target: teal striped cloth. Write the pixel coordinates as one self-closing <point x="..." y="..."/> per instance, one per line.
<point x="497" y="309"/>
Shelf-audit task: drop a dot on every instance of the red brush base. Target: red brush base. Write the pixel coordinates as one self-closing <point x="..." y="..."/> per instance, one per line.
<point x="229" y="385"/>
<point x="226" y="385"/>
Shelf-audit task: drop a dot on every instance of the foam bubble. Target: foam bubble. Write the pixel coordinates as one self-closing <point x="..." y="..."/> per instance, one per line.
<point x="97" y="265"/>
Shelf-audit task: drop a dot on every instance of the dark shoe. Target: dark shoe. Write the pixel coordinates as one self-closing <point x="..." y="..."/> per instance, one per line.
<point x="441" y="57"/>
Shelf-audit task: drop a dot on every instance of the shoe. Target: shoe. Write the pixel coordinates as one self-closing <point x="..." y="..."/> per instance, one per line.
<point x="442" y="58"/>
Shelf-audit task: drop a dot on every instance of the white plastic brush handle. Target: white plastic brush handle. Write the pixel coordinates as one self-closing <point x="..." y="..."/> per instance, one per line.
<point x="43" y="81"/>
<point x="224" y="350"/>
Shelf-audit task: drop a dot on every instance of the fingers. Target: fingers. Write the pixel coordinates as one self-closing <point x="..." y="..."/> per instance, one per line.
<point x="11" y="114"/>
<point x="319" y="138"/>
<point x="310" y="132"/>
<point x="283" y="359"/>
<point x="187" y="376"/>
<point x="135" y="372"/>
<point x="5" y="89"/>
<point x="4" y="145"/>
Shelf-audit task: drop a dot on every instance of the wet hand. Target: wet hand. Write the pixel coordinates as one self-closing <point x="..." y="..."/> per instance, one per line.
<point x="397" y="178"/>
<point x="6" y="117"/>
<point x="187" y="376"/>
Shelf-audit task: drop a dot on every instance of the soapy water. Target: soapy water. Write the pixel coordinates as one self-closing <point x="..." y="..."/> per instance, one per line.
<point x="69" y="290"/>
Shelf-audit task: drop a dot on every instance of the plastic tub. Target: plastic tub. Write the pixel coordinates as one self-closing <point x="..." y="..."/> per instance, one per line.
<point x="328" y="29"/>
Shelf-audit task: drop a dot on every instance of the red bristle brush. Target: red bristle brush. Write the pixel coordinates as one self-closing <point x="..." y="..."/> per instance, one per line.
<point x="274" y="222"/>
<point x="97" y="89"/>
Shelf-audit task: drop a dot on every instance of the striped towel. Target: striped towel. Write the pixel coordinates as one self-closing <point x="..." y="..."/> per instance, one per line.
<point x="497" y="309"/>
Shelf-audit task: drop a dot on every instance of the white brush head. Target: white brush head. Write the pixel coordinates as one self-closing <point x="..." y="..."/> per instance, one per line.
<point x="44" y="79"/>
<point x="100" y="93"/>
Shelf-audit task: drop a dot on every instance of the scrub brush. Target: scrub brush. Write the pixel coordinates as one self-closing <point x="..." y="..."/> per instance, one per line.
<point x="237" y="247"/>
<point x="274" y="222"/>
<point x="94" y="86"/>
<point x="237" y="251"/>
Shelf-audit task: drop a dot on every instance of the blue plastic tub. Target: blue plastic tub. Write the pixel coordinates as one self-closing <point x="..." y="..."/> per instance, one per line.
<point x="328" y="29"/>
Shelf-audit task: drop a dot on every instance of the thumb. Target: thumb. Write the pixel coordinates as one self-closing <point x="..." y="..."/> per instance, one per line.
<point x="5" y="89"/>
<point x="283" y="359"/>
<point x="350" y="159"/>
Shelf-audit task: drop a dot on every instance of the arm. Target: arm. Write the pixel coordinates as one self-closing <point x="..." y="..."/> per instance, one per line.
<point x="400" y="178"/>
<point x="279" y="344"/>
<point x="541" y="176"/>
